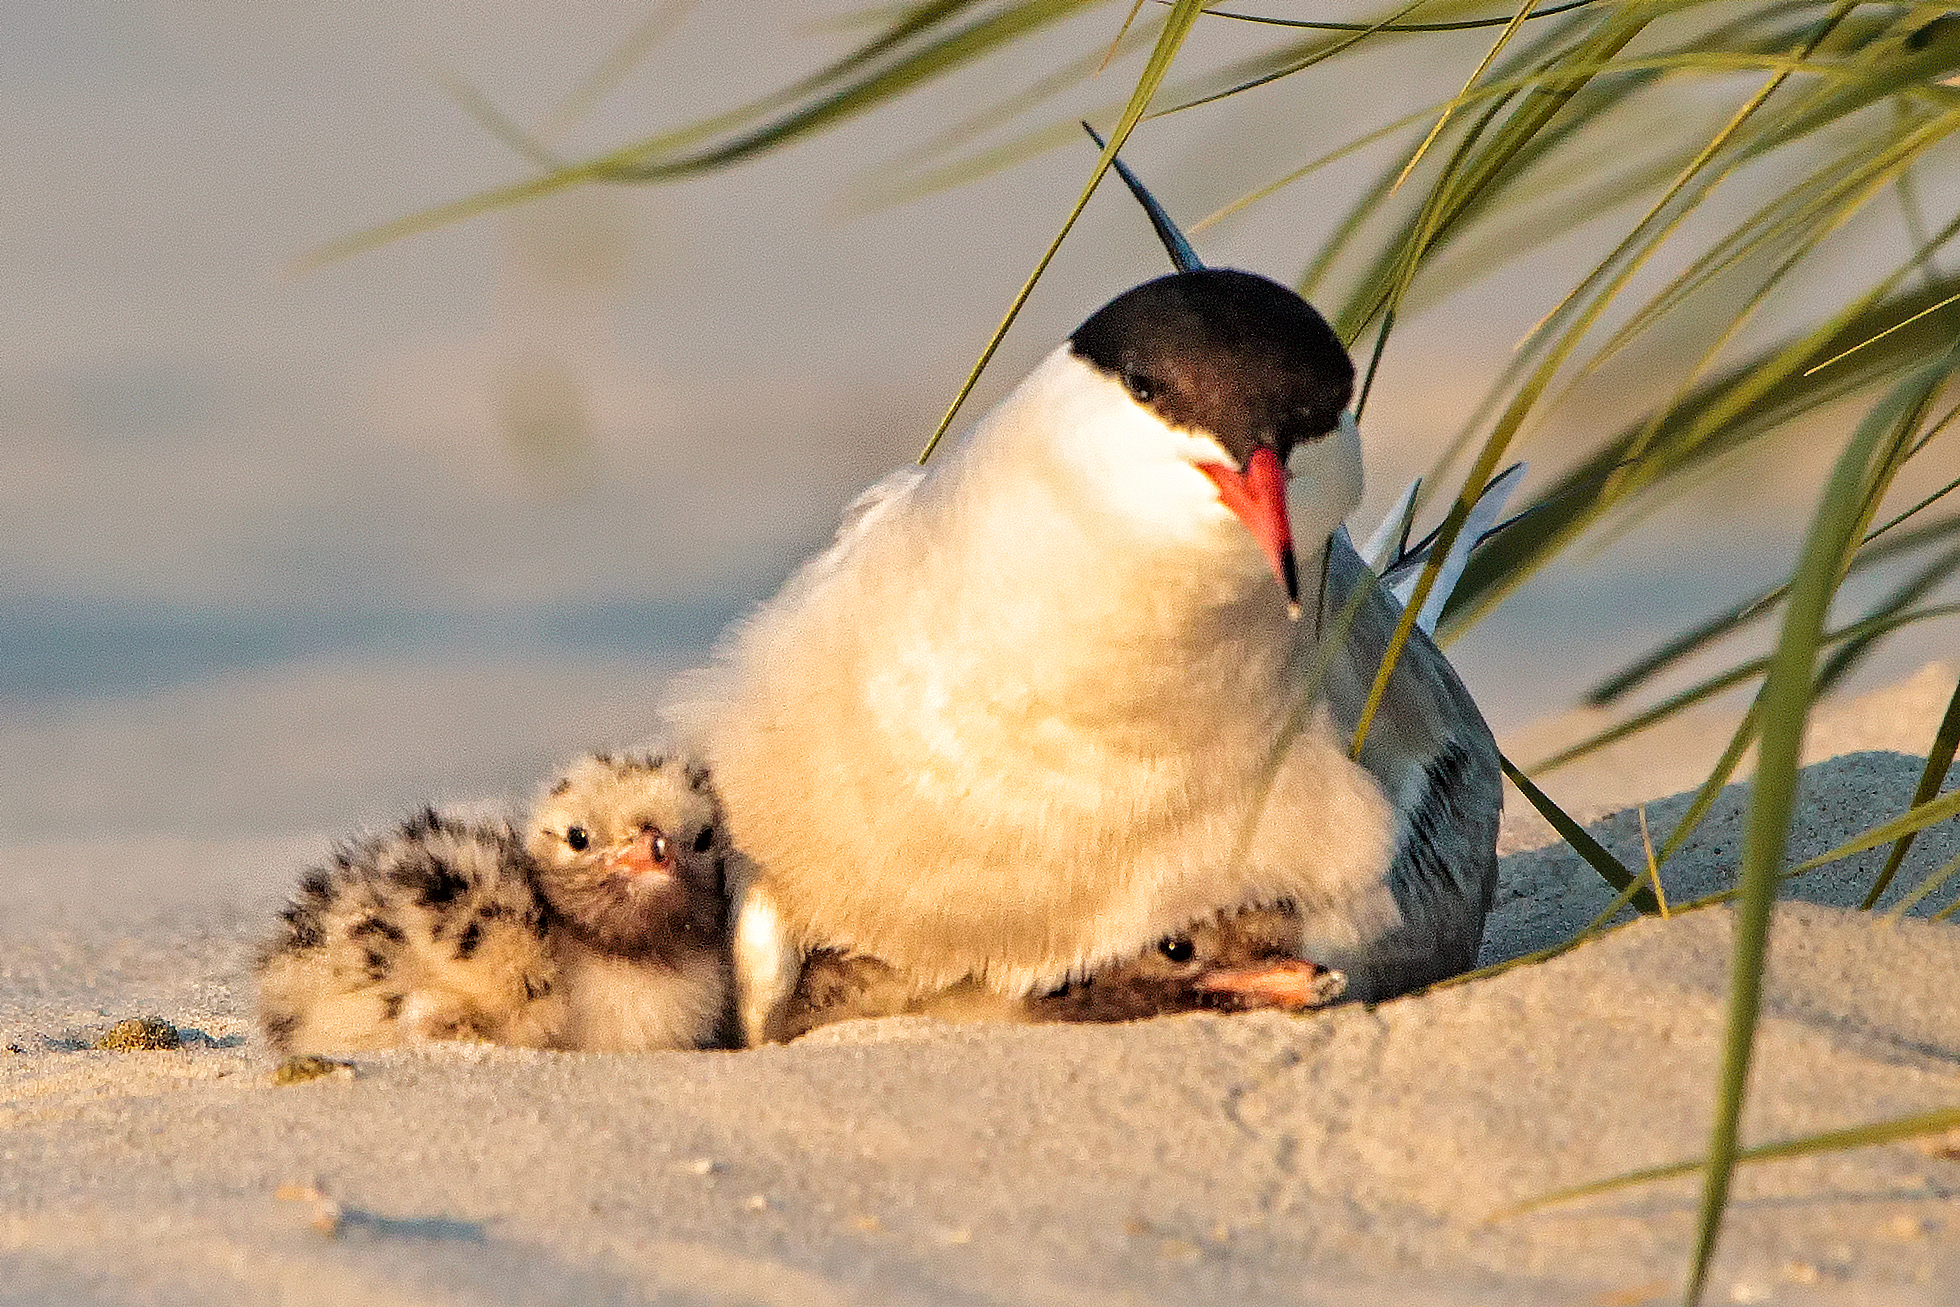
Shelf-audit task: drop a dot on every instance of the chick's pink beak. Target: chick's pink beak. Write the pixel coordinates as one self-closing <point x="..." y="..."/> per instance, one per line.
<point x="1258" y="496"/>
<point x="637" y="858"/>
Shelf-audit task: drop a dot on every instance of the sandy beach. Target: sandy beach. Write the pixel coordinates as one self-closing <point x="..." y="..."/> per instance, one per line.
<point x="1352" y="1157"/>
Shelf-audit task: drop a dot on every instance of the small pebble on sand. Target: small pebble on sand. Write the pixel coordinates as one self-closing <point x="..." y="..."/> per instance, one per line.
<point x="139" y="1034"/>
<point x="299" y="1070"/>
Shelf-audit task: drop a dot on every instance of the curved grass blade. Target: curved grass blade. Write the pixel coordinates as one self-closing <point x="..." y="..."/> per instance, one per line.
<point x="1664" y="217"/>
<point x="1460" y="25"/>
<point x="626" y="55"/>
<point x="1443" y="120"/>
<point x="1925" y="890"/>
<point x="1539" y="58"/>
<point x="1917" y="818"/>
<point x="1610" y="869"/>
<point x="1746" y="402"/>
<point x="1866" y="630"/>
<point x="1257" y="71"/>
<point x="1892" y="1131"/>
<point x="1511" y="137"/>
<point x="1797" y="220"/>
<point x="936" y="58"/>
<point x="1306" y="56"/>
<point x="1939" y="758"/>
<point x="1176" y="27"/>
<point x="1747" y="611"/>
<point x="912" y="50"/>
<point x="1785" y="706"/>
<point x="1063" y="77"/>
<point x="1891" y="422"/>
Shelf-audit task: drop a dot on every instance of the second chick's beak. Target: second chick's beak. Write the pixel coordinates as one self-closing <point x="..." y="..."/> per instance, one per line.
<point x="649" y="853"/>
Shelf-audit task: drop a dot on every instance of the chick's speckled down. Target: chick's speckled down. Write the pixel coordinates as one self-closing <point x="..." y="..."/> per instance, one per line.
<point x="601" y="927"/>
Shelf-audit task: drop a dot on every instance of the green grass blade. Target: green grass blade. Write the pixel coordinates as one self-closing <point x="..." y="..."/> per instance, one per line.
<point x="1513" y="136"/>
<point x="1939" y="758"/>
<point x="1665" y="216"/>
<point x="1889" y="614"/>
<point x="1796" y="220"/>
<point x="1460" y="25"/>
<point x="1302" y="57"/>
<point x="1930" y="812"/>
<point x="1862" y="632"/>
<point x="1692" y="641"/>
<point x="1610" y="869"/>
<point x="1443" y="120"/>
<point x="1893" y="1131"/>
<point x="1742" y="614"/>
<point x="1897" y="326"/>
<point x="1785" y="706"/>
<point x="1925" y="890"/>
<point x="1063" y="77"/>
<point x="937" y="58"/>
<point x="1751" y="399"/>
<point x="914" y="49"/>
<point x="1177" y="26"/>
<point x="625" y="56"/>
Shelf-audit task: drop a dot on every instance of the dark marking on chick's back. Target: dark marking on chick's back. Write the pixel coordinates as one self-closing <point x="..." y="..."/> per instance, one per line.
<point x="443" y="887"/>
<point x="302" y="929"/>
<point x="373" y="925"/>
<point x="466" y="943"/>
<point x="391" y="1006"/>
<point x="279" y="1027"/>
<point x="375" y="965"/>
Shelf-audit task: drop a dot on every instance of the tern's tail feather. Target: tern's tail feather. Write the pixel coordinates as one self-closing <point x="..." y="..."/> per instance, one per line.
<point x="1388" y="551"/>
<point x="1183" y="257"/>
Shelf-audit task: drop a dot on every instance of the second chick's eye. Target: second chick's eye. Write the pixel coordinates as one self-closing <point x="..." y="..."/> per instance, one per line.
<point x="1178" y="948"/>
<point x="661" y="849"/>
<point x="577" y="837"/>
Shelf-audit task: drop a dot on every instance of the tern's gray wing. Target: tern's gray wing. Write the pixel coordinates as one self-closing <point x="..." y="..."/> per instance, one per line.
<point x="1434" y="756"/>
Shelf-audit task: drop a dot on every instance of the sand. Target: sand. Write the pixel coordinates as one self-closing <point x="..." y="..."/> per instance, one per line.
<point x="1352" y="1157"/>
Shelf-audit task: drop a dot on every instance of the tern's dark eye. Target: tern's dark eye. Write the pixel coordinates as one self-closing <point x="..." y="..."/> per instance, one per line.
<point x="704" y="839"/>
<point x="1305" y="427"/>
<point x="1142" y="388"/>
<point x="577" y="837"/>
<point x="1178" y="948"/>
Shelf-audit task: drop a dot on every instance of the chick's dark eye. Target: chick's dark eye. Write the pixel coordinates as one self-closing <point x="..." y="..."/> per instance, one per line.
<point x="1178" y="948"/>
<point x="661" y="849"/>
<point x="577" y="837"/>
<point x="704" y="839"/>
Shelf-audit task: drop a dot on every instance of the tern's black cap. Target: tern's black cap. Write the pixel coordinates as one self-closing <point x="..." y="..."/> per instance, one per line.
<point x="1232" y="354"/>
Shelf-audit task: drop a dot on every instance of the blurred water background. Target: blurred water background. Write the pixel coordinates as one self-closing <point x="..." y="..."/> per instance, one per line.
<point x="291" y="551"/>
